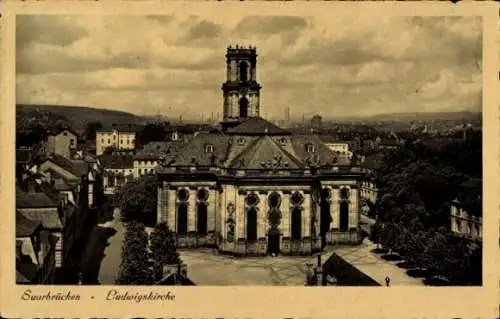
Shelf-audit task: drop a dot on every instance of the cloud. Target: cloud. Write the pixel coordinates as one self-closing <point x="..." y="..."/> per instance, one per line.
<point x="269" y="24"/>
<point x="345" y="65"/>
<point x="28" y="30"/>
<point x="204" y="29"/>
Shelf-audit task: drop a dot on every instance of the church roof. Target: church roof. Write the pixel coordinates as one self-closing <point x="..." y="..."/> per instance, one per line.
<point x="195" y="152"/>
<point x="256" y="152"/>
<point x="264" y="152"/>
<point x="257" y="126"/>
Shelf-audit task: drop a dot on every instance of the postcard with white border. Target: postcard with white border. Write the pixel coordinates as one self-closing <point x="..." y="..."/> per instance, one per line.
<point x="278" y="159"/>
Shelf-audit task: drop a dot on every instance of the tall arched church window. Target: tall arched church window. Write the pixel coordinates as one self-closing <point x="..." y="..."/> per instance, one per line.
<point x="296" y="224"/>
<point x="251" y="224"/>
<point x="344" y="209"/>
<point x="182" y="210"/>
<point x="202" y="219"/>
<point x="201" y="210"/>
<point x="243" y="71"/>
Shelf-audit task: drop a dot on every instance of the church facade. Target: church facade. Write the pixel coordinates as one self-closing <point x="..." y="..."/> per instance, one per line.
<point x="254" y="188"/>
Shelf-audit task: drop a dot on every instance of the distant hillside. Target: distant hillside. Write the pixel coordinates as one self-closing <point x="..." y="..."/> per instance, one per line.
<point x="427" y="116"/>
<point x="78" y="116"/>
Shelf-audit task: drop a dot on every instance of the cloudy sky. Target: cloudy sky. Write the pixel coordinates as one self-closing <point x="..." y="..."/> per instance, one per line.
<point x="313" y="64"/>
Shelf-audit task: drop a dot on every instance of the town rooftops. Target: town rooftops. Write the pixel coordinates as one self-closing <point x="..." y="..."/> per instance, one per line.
<point x="155" y="150"/>
<point x="256" y="152"/>
<point x="112" y="161"/>
<point x="26" y="227"/>
<point x="33" y="200"/>
<point x="75" y="167"/>
<point x="257" y="126"/>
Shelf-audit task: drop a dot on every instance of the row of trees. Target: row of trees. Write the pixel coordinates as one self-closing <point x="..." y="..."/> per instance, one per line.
<point x="137" y="199"/>
<point x="416" y="185"/>
<point x="143" y="258"/>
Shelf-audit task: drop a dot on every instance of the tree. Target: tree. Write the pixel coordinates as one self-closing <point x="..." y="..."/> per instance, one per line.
<point x="137" y="199"/>
<point x="135" y="266"/>
<point x="150" y="133"/>
<point x="90" y="130"/>
<point x="163" y="249"/>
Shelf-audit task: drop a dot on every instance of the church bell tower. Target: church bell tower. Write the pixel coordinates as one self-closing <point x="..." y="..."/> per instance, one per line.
<point x="241" y="92"/>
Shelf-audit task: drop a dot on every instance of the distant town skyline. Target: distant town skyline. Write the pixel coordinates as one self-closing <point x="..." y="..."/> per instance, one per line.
<point x="174" y="66"/>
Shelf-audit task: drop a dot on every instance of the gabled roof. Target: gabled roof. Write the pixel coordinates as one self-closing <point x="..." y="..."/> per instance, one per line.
<point x="60" y="184"/>
<point x="33" y="200"/>
<point x="154" y="150"/>
<point x="195" y="150"/>
<point x="75" y="167"/>
<point x="263" y="152"/>
<point x="48" y="217"/>
<point x="257" y="126"/>
<point x="322" y="155"/>
<point x="24" y="226"/>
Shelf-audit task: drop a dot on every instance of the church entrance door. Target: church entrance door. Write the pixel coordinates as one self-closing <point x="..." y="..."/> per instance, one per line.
<point x="273" y="241"/>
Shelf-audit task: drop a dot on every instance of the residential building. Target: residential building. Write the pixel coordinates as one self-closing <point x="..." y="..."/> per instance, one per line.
<point x="146" y="160"/>
<point x="38" y="207"/>
<point x="35" y="252"/>
<point x="118" y="169"/>
<point x="118" y="137"/>
<point x="62" y="143"/>
<point x="464" y="223"/>
<point x="335" y="145"/>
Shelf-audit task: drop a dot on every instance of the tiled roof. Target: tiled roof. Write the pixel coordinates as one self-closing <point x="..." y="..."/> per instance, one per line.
<point x="48" y="217"/>
<point x="256" y="151"/>
<point x="61" y="185"/>
<point x="154" y="150"/>
<point x="195" y="150"/>
<point x="257" y="126"/>
<point x="75" y="167"/>
<point x="116" y="161"/>
<point x="24" y="226"/>
<point x="322" y="155"/>
<point x="33" y="200"/>
<point x="262" y="151"/>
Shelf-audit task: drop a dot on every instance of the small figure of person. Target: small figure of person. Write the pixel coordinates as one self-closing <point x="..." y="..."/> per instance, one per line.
<point x="387" y="281"/>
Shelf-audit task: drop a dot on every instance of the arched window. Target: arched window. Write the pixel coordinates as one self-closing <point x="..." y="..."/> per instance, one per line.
<point x="274" y="200"/>
<point x="202" y="219"/>
<point x="243" y="107"/>
<point x="243" y="71"/>
<point x="251" y="224"/>
<point x="296" y="223"/>
<point x="182" y="224"/>
<point x="325" y="218"/>
<point x="344" y="209"/>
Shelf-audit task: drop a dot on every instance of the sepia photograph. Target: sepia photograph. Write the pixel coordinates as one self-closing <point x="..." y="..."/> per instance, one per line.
<point x="248" y="150"/>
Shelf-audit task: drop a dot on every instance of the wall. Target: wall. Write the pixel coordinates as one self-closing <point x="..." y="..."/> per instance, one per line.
<point x="143" y="167"/>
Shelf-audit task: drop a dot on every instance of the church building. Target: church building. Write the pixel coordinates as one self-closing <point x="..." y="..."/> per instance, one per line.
<point x="255" y="189"/>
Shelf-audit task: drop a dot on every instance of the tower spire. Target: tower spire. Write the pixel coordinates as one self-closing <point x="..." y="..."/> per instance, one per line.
<point x="241" y="91"/>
